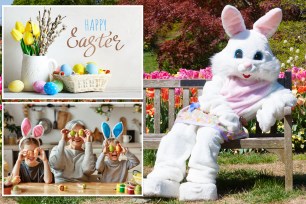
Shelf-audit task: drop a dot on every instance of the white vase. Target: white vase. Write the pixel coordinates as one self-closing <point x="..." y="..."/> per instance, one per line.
<point x="36" y="68"/>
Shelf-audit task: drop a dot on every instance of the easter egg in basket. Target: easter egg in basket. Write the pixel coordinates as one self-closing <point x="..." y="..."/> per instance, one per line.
<point x="91" y="68"/>
<point x="79" y="69"/>
<point x="66" y="69"/>
<point x="59" y="85"/>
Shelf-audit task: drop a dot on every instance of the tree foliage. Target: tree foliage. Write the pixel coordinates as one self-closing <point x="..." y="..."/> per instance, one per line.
<point x="54" y="2"/>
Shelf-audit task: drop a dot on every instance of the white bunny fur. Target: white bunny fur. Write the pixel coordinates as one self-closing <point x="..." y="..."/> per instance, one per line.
<point x="202" y="144"/>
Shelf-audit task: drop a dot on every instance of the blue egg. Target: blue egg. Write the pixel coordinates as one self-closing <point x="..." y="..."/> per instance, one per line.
<point x="92" y="69"/>
<point x="50" y="88"/>
<point x="66" y="69"/>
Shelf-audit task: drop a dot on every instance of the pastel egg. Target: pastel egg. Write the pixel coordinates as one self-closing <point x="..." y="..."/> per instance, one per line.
<point x="16" y="86"/>
<point x="91" y="69"/>
<point x="51" y="88"/>
<point x="79" y="69"/>
<point x="59" y="85"/>
<point x="66" y="69"/>
<point x="101" y="71"/>
<point x="38" y="86"/>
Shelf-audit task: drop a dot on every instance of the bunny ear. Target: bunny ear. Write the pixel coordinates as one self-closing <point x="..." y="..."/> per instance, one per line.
<point x="118" y="129"/>
<point x="106" y="130"/>
<point x="232" y="21"/>
<point x="267" y="24"/>
<point x="26" y="127"/>
<point x="38" y="131"/>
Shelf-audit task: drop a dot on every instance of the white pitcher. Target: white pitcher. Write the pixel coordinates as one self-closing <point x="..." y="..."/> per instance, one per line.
<point x="36" y="68"/>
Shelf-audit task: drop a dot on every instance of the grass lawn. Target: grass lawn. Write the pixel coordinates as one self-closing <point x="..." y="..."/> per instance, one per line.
<point x="150" y="62"/>
<point x="248" y="178"/>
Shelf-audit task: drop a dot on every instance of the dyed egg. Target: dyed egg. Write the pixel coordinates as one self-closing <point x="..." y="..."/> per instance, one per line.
<point x="91" y="69"/>
<point x="79" y="69"/>
<point x="59" y="85"/>
<point x="66" y="69"/>
<point x="101" y="71"/>
<point x="38" y="86"/>
<point x="50" y="88"/>
<point x="16" y="86"/>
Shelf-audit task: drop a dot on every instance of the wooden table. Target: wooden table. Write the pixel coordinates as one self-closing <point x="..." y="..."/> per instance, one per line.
<point x="92" y="188"/>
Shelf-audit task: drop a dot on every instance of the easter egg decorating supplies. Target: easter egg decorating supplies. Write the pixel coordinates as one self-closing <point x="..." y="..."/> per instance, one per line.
<point x="16" y="86"/>
<point x="137" y="176"/>
<point x="38" y="86"/>
<point x="51" y="88"/>
<point x="137" y="190"/>
<point x="62" y="187"/>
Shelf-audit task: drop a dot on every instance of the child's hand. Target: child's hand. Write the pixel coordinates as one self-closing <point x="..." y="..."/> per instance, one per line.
<point x="106" y="148"/>
<point x="16" y="180"/>
<point x="88" y="137"/>
<point x="42" y="155"/>
<point x="65" y="134"/>
<point x="22" y="155"/>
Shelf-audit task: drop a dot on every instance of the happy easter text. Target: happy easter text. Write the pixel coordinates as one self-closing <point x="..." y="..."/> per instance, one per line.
<point x="104" y="39"/>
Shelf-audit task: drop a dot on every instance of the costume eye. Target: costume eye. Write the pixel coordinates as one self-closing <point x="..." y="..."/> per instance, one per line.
<point x="258" y="56"/>
<point x="238" y="53"/>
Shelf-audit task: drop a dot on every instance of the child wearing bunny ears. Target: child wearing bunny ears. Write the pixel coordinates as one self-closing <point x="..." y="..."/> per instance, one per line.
<point x="244" y="86"/>
<point x="112" y="169"/>
<point x="73" y="163"/>
<point x="27" y="167"/>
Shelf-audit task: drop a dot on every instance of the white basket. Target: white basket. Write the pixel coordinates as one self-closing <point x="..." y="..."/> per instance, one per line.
<point x="84" y="83"/>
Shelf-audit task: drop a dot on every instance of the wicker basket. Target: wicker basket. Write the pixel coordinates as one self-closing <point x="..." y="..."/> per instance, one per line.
<point x="84" y="83"/>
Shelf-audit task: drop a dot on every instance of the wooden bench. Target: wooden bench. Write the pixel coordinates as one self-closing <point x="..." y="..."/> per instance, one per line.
<point x="280" y="144"/>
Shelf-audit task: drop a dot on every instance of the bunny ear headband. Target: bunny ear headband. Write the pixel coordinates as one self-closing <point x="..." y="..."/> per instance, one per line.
<point x="26" y="127"/>
<point x="116" y="132"/>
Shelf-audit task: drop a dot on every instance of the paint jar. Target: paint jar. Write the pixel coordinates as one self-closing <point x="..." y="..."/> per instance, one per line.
<point x="130" y="189"/>
<point x="122" y="188"/>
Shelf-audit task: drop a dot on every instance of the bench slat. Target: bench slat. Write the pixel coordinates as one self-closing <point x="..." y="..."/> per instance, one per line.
<point x="171" y="107"/>
<point x="157" y="111"/>
<point x="185" y="97"/>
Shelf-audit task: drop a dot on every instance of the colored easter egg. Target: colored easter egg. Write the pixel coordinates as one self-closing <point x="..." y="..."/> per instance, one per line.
<point x="38" y="86"/>
<point x="91" y="69"/>
<point x="66" y="69"/>
<point x="79" y="69"/>
<point x="50" y="88"/>
<point x="59" y="85"/>
<point x="101" y="71"/>
<point x="16" y="86"/>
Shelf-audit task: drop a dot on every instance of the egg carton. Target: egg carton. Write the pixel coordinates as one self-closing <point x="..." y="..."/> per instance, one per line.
<point x="84" y="83"/>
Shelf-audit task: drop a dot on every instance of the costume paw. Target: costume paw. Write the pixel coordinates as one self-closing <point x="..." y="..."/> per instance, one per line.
<point x="265" y="120"/>
<point x="196" y="191"/>
<point x="230" y="121"/>
<point x="161" y="188"/>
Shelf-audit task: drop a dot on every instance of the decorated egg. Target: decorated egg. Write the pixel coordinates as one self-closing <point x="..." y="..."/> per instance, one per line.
<point x="38" y="86"/>
<point x="91" y="68"/>
<point x="51" y="88"/>
<point x="101" y="71"/>
<point x="79" y="69"/>
<point x="16" y="86"/>
<point x="59" y="85"/>
<point x="66" y="69"/>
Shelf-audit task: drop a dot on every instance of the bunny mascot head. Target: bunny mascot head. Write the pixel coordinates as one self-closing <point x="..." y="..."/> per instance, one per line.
<point x="244" y="86"/>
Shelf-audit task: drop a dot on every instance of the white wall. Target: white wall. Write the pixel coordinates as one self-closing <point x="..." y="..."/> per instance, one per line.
<point x="81" y="111"/>
<point x="126" y="64"/>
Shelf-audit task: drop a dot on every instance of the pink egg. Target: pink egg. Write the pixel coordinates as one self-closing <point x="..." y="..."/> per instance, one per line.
<point x="38" y="86"/>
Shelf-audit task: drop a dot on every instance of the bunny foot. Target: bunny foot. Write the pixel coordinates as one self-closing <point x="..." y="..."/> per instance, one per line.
<point x="161" y="188"/>
<point x="196" y="191"/>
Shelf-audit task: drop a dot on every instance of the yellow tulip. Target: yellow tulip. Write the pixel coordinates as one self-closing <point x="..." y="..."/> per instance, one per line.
<point x="28" y="38"/>
<point x="19" y="26"/>
<point x="16" y="34"/>
<point x="36" y="31"/>
<point x="28" y="27"/>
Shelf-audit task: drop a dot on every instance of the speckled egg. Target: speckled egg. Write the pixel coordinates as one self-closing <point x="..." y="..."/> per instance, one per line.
<point x="79" y="69"/>
<point x="66" y="69"/>
<point x="38" y="86"/>
<point x="91" y="68"/>
<point x="51" y="88"/>
<point x="16" y="86"/>
<point x="59" y="85"/>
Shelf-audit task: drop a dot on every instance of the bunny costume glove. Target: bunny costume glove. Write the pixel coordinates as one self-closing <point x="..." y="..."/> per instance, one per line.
<point x="245" y="85"/>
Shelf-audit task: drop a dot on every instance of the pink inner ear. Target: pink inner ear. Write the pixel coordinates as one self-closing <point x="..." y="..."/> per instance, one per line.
<point x="26" y="127"/>
<point x="267" y="25"/>
<point x="38" y="131"/>
<point x="232" y="21"/>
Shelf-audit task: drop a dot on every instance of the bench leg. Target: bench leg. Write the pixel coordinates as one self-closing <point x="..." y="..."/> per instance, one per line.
<point x="288" y="160"/>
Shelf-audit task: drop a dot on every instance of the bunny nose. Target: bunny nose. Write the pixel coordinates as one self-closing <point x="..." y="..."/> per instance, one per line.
<point x="247" y="65"/>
